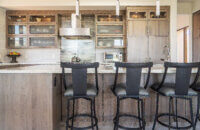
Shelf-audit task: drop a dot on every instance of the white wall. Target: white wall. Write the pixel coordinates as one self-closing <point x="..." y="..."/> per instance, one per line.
<point x="184" y="19"/>
<point x="196" y="5"/>
<point x="66" y="4"/>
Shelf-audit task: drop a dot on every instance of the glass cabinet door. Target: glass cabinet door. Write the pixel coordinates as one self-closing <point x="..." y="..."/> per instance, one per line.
<point x="17" y="18"/>
<point x="42" y="29"/>
<point x="163" y="15"/>
<point x="138" y="15"/>
<point x="110" y="29"/>
<point x="109" y="18"/>
<point x="42" y="41"/>
<point x="109" y="42"/>
<point x="37" y="18"/>
<point x="17" y="42"/>
<point x="16" y="29"/>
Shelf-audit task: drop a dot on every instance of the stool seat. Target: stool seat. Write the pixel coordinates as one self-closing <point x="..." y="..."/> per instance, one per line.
<point x="197" y="87"/>
<point x="120" y="90"/>
<point x="91" y="91"/>
<point x="169" y="90"/>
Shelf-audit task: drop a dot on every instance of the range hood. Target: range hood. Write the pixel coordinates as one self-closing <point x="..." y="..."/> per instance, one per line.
<point x="76" y="30"/>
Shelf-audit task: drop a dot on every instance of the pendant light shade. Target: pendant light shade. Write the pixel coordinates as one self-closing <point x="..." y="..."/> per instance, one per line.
<point x="77" y="7"/>
<point x="117" y="8"/>
<point x="157" y="7"/>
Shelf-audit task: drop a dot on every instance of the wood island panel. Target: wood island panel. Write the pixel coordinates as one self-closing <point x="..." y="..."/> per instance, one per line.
<point x="30" y="102"/>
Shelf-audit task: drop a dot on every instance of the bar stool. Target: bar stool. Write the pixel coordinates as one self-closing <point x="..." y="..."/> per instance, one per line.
<point x="80" y="89"/>
<point x="131" y="89"/>
<point x="197" y="89"/>
<point x="181" y="89"/>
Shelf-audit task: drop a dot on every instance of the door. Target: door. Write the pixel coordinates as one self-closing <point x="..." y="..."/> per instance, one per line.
<point x="196" y="37"/>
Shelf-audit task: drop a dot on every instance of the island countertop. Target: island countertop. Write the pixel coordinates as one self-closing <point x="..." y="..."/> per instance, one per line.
<point x="55" y="68"/>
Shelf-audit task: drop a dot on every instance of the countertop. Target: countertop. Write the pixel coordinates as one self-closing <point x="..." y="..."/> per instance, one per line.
<point x="55" y="68"/>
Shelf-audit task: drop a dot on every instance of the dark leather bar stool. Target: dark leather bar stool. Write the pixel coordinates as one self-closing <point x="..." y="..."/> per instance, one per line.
<point x="181" y="89"/>
<point x="131" y="89"/>
<point x="80" y="89"/>
<point x="197" y="89"/>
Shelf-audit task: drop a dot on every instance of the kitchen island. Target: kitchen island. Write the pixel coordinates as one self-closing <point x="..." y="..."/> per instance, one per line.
<point x="31" y="97"/>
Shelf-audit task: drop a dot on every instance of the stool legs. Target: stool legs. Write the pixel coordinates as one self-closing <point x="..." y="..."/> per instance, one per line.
<point x="92" y="114"/>
<point x="94" y="109"/>
<point x="170" y="105"/>
<point x="176" y="119"/>
<point x="191" y="113"/>
<point x="197" y="115"/>
<point x="139" y="113"/>
<point x="143" y="120"/>
<point x="156" y="115"/>
<point x="140" y="117"/>
<point x="116" y="125"/>
<point x="67" y="121"/>
<point x="73" y="109"/>
<point x="91" y="109"/>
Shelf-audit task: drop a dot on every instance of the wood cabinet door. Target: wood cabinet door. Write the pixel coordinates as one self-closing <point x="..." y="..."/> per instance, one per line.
<point x="158" y="28"/>
<point x="156" y="48"/>
<point x="137" y="41"/>
<point x="196" y="37"/>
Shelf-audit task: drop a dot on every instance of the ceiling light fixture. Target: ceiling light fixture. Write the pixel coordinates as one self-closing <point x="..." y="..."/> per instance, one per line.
<point x="117" y="8"/>
<point x="157" y="7"/>
<point x="77" y="7"/>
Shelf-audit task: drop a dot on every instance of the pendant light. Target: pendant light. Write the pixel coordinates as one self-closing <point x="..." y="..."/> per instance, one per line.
<point x="77" y="7"/>
<point x="157" y="8"/>
<point x="117" y="8"/>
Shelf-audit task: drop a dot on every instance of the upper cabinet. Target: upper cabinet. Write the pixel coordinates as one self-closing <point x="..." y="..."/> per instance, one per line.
<point x="17" y="18"/>
<point x="109" y="18"/>
<point x="143" y="13"/>
<point x="147" y="34"/>
<point x="32" y="30"/>
<point x="110" y="29"/>
<point x="137" y="15"/>
<point x="42" y="18"/>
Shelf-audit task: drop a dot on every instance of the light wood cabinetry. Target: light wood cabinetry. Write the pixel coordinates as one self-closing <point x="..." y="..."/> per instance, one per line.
<point x="111" y="33"/>
<point x="30" y="101"/>
<point x="147" y="35"/>
<point x="31" y="30"/>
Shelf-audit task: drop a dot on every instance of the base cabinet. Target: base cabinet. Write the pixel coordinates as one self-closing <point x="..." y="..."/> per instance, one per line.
<point x="30" y="101"/>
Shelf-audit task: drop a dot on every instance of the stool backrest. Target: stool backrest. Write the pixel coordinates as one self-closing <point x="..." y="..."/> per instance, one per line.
<point x="133" y="76"/>
<point x="79" y="76"/>
<point x="183" y="76"/>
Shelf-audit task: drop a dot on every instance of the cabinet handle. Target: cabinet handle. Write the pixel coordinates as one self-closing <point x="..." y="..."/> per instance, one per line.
<point x="55" y="79"/>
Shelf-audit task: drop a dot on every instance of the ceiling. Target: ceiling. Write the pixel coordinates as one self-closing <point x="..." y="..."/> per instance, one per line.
<point x="70" y="4"/>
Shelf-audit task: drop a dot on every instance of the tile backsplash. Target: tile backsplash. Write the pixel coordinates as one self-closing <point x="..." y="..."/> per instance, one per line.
<point x="37" y="56"/>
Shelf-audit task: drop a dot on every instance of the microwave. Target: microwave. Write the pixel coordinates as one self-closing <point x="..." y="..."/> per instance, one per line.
<point x="110" y="57"/>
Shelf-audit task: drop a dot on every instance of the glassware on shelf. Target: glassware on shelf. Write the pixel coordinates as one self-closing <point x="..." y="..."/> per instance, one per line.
<point x="42" y="41"/>
<point x="17" y="18"/>
<point x="110" y="29"/>
<point x="109" y="18"/>
<point x="42" y="29"/>
<point x="108" y="42"/>
<point x="44" y="18"/>
<point x="162" y="15"/>
<point x="16" y="42"/>
<point x="137" y="15"/>
<point x="16" y="29"/>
